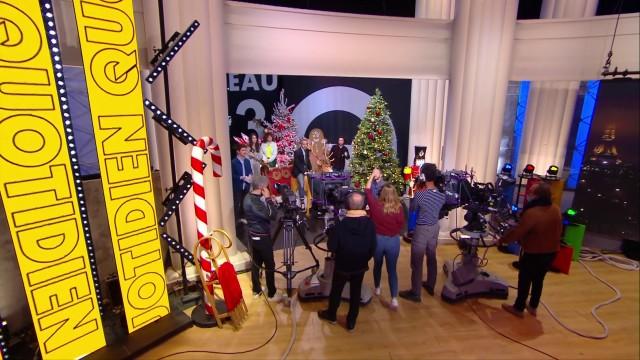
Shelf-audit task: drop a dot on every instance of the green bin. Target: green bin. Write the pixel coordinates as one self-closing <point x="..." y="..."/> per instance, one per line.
<point x="573" y="236"/>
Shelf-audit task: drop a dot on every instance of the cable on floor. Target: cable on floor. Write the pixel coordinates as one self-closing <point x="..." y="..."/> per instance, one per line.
<point x="294" y="328"/>
<point x="587" y="254"/>
<point x="507" y="336"/>
<point x="275" y="331"/>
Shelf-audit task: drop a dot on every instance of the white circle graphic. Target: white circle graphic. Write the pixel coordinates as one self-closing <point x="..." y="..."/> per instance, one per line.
<point x="334" y="98"/>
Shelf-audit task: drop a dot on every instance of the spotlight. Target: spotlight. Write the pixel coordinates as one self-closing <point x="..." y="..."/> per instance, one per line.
<point x="506" y="169"/>
<point x="167" y="54"/>
<point x="181" y="250"/>
<point x="168" y="124"/>
<point x="529" y="169"/>
<point x="552" y="171"/>
<point x="569" y="216"/>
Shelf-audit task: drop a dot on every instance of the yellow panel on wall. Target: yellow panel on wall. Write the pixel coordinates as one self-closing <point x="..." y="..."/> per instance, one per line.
<point x="38" y="188"/>
<point x="107" y="36"/>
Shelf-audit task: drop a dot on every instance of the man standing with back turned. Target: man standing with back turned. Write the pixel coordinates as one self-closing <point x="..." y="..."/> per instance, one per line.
<point x="353" y="241"/>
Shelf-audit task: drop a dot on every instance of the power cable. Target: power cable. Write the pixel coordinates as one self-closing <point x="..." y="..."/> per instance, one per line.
<point x="507" y="336"/>
<point x="275" y="330"/>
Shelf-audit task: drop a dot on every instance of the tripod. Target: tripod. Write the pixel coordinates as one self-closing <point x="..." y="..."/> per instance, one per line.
<point x="288" y="223"/>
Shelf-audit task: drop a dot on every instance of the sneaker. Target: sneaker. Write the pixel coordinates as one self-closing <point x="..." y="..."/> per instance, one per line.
<point x="394" y="304"/>
<point x="409" y="295"/>
<point x="533" y="311"/>
<point x="276" y="298"/>
<point x="324" y="315"/>
<point x="377" y="291"/>
<point x="513" y="310"/>
<point x="428" y="288"/>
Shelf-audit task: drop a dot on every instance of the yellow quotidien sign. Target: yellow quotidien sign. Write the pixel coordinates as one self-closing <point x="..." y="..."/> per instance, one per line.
<point x="107" y="36"/>
<point x="38" y="188"/>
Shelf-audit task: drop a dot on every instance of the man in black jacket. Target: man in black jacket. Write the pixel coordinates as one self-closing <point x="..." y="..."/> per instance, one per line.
<point x="259" y="211"/>
<point x="301" y="166"/>
<point x="353" y="242"/>
<point x="338" y="154"/>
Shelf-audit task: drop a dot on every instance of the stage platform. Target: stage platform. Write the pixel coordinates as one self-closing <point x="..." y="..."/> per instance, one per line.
<point x="433" y="329"/>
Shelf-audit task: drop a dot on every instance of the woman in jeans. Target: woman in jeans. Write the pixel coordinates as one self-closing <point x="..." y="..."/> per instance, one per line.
<point x="387" y="214"/>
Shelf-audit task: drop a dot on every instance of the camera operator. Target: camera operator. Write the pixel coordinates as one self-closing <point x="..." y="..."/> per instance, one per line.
<point x="259" y="211"/>
<point x="538" y="232"/>
<point x="388" y="216"/>
<point x="427" y="203"/>
<point x="353" y="241"/>
<point x="301" y="166"/>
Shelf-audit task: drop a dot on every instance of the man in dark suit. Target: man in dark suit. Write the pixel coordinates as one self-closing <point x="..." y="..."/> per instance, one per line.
<point x="301" y="166"/>
<point x="241" y="175"/>
<point x="338" y="154"/>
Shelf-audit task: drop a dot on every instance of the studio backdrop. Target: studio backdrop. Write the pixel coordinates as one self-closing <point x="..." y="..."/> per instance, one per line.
<point x="607" y="192"/>
<point x="334" y="105"/>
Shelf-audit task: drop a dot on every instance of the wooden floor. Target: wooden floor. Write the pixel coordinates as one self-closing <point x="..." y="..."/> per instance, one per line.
<point x="434" y="329"/>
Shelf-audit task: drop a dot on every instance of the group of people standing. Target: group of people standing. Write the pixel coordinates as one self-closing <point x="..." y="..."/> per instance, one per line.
<point x="363" y="235"/>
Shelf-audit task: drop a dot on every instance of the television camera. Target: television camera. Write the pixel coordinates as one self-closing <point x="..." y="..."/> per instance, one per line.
<point x="293" y="218"/>
<point x="465" y="277"/>
<point x="329" y="192"/>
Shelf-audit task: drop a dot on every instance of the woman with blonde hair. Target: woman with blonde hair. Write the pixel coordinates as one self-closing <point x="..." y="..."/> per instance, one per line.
<point x="387" y="213"/>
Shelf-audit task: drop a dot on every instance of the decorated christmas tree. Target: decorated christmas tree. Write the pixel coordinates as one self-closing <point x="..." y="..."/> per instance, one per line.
<point x="283" y="129"/>
<point x="372" y="146"/>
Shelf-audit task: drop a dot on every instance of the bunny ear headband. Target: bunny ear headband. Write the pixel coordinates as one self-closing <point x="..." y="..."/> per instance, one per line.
<point x="242" y="140"/>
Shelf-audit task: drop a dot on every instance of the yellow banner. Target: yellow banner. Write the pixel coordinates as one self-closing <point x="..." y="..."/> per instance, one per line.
<point x="110" y="54"/>
<point x="37" y="185"/>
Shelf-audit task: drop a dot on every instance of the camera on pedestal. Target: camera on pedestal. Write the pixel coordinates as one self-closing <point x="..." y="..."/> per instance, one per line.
<point x="466" y="277"/>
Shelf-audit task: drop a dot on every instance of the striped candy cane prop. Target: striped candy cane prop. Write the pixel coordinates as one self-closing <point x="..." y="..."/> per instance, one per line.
<point x="197" y="173"/>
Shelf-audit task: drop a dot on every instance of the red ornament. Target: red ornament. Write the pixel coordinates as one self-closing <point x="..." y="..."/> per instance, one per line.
<point x="378" y="112"/>
<point x="370" y="136"/>
<point x="357" y="184"/>
<point x="379" y="131"/>
<point x="385" y="153"/>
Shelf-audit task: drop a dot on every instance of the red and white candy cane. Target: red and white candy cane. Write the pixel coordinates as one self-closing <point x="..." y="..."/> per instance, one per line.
<point x="197" y="174"/>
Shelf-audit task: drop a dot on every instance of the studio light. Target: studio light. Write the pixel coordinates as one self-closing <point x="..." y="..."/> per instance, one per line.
<point x="169" y="54"/>
<point x="529" y="169"/>
<point x="169" y="124"/>
<point x="552" y="171"/>
<point x="506" y="169"/>
<point x="175" y="197"/>
<point x="175" y="245"/>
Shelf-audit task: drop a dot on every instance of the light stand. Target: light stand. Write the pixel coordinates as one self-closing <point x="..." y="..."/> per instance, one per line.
<point x="188" y="296"/>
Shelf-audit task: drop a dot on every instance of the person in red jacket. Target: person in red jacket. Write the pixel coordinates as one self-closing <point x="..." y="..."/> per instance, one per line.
<point x="538" y="232"/>
<point x="388" y="216"/>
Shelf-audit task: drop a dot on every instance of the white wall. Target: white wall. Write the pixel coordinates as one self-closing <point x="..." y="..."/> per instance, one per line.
<point x="275" y="40"/>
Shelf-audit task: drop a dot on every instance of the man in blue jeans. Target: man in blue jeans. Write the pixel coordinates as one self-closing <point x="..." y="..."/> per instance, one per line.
<point x="427" y="203"/>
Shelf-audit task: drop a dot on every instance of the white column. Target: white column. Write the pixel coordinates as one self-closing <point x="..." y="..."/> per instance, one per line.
<point x="429" y="97"/>
<point x="567" y="9"/>
<point x="551" y="104"/>
<point x="483" y="36"/>
<point x="198" y="92"/>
